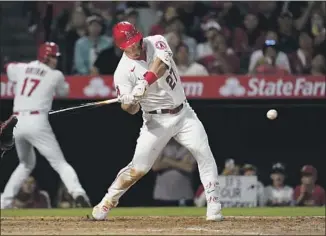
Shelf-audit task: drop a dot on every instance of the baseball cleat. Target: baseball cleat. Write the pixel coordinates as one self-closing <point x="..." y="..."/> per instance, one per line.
<point x="214" y="212"/>
<point x="101" y="211"/>
<point x="90" y="218"/>
<point x="218" y="217"/>
<point x="82" y="202"/>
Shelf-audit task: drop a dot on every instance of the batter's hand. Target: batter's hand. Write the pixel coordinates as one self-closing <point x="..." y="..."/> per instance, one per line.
<point x="140" y="89"/>
<point x="127" y="99"/>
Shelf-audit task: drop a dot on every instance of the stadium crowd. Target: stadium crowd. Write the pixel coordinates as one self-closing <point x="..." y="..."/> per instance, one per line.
<point x="173" y="185"/>
<point x="207" y="38"/>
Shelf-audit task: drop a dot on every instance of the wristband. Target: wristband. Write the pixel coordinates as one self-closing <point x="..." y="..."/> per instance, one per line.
<point x="150" y="77"/>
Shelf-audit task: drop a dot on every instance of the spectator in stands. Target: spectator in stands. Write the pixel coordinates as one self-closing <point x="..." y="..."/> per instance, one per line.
<point x="88" y="47"/>
<point x="89" y="7"/>
<point x="190" y="13"/>
<point x="309" y="193"/>
<point x="228" y="14"/>
<point x="109" y="17"/>
<point x="33" y="15"/>
<point x="287" y="35"/>
<point x="251" y="170"/>
<point x="267" y="15"/>
<point x="281" y="60"/>
<point x="185" y="67"/>
<point x="211" y="30"/>
<point x="63" y="22"/>
<point x="318" y="65"/>
<point x="230" y="168"/>
<point x="278" y="194"/>
<point x="174" y="168"/>
<point x="301" y="12"/>
<point x="248" y="37"/>
<point x="267" y="64"/>
<point x="301" y="59"/>
<point x="77" y="29"/>
<point x="174" y="30"/>
<point x="223" y="60"/>
<point x="169" y="13"/>
<point x="30" y="196"/>
<point x="107" y="61"/>
<point x="64" y="199"/>
<point x="119" y="15"/>
<point x="318" y="30"/>
<point x="131" y="15"/>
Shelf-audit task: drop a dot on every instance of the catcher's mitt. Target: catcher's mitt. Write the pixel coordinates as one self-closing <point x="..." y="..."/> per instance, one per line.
<point x="6" y="133"/>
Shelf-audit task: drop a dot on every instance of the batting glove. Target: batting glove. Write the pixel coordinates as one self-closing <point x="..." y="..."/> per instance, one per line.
<point x="127" y="99"/>
<point x="140" y="89"/>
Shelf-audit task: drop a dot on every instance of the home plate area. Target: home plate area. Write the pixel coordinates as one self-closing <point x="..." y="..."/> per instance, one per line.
<point x="166" y="225"/>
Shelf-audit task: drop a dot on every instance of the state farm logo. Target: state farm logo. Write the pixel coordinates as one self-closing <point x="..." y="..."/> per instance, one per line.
<point x="298" y="87"/>
<point x="97" y="87"/>
<point x="232" y="87"/>
<point x="272" y="87"/>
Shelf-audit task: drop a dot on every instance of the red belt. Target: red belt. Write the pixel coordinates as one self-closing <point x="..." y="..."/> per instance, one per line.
<point x="30" y="112"/>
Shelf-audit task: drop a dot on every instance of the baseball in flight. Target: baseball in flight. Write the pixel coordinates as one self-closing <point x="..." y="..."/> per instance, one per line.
<point x="272" y="114"/>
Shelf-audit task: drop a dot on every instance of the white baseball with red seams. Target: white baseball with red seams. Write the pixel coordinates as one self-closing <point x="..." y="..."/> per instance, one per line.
<point x="272" y="114"/>
<point x="158" y="128"/>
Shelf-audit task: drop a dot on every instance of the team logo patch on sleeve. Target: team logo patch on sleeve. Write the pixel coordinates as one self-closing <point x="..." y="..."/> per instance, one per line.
<point x="160" y="45"/>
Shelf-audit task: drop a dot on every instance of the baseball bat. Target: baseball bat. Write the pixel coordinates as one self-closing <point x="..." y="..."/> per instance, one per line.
<point x="91" y="104"/>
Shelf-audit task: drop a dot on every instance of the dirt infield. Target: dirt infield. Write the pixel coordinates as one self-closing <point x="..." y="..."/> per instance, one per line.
<point x="151" y="225"/>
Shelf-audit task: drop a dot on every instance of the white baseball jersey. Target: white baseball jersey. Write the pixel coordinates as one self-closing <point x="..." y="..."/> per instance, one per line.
<point x="36" y="85"/>
<point x="167" y="92"/>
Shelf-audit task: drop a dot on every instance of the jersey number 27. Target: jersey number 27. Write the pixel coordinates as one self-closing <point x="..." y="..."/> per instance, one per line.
<point x="34" y="82"/>
<point x="171" y="79"/>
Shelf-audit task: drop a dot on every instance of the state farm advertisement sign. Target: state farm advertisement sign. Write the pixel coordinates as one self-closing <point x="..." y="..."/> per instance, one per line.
<point x="271" y="87"/>
<point x="205" y="87"/>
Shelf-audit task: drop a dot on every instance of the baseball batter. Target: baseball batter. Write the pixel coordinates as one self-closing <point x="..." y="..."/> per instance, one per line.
<point x="36" y="84"/>
<point x="147" y="77"/>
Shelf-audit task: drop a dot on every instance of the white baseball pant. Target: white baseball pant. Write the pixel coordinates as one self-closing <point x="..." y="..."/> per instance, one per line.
<point x="155" y="133"/>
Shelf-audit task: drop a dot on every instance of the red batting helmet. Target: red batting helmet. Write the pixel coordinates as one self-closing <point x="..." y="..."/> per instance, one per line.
<point x="48" y="49"/>
<point x="125" y="34"/>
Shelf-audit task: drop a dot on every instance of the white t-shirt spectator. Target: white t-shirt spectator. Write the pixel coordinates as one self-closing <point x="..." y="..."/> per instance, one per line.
<point x="279" y="195"/>
<point x="189" y="41"/>
<point x="194" y="69"/>
<point x="282" y="60"/>
<point x="205" y="49"/>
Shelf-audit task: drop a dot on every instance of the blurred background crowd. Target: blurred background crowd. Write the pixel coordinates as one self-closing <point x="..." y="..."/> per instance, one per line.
<point x="174" y="184"/>
<point x="207" y="37"/>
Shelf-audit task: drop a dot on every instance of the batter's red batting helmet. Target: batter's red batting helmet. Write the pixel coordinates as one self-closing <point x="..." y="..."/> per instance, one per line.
<point x="125" y="34"/>
<point x="48" y="49"/>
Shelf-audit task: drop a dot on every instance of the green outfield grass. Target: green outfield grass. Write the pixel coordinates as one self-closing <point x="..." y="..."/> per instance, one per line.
<point x="171" y="211"/>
